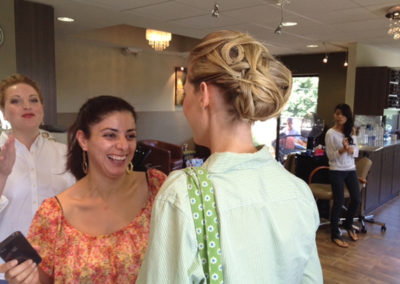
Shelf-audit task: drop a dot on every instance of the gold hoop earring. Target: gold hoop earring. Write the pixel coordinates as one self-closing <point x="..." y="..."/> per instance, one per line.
<point x="84" y="163"/>
<point x="129" y="169"/>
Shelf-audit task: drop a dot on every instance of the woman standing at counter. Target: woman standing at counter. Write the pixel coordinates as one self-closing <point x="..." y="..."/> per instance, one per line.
<point x="342" y="148"/>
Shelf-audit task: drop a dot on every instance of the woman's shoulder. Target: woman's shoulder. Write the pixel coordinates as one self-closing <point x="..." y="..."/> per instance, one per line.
<point x="48" y="213"/>
<point x="50" y="206"/>
<point x="174" y="187"/>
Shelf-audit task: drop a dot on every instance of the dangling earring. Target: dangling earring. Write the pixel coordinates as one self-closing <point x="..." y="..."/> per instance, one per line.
<point x="129" y="169"/>
<point x="84" y="162"/>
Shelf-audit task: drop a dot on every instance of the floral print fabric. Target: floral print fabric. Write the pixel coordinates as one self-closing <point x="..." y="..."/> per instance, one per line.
<point x="70" y="256"/>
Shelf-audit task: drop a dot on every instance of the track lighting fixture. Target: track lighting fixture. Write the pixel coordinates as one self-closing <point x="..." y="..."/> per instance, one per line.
<point x="278" y="29"/>
<point x="325" y="60"/>
<point x="346" y="63"/>
<point x="215" y="11"/>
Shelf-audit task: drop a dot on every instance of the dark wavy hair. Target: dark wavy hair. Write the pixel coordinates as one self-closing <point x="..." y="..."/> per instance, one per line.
<point x="91" y="112"/>
<point x="349" y="125"/>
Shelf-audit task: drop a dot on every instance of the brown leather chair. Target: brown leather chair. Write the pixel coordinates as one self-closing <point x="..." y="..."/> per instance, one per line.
<point x="324" y="190"/>
<point x="163" y="156"/>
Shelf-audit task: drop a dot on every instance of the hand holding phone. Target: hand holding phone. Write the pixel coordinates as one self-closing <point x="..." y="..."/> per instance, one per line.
<point x="16" y="246"/>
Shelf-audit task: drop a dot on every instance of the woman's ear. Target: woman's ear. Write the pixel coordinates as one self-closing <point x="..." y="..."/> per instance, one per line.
<point x="82" y="140"/>
<point x="205" y="95"/>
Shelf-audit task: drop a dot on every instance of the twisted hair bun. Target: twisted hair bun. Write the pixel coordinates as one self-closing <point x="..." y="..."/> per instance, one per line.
<point x="256" y="85"/>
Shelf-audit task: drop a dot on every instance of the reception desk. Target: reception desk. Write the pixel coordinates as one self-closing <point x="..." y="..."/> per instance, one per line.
<point x="383" y="181"/>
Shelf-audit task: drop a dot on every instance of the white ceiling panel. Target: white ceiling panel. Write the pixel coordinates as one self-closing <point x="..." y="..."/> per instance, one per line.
<point x="331" y="21"/>
<point x="120" y="5"/>
<point x="167" y="11"/>
<point x="207" y="22"/>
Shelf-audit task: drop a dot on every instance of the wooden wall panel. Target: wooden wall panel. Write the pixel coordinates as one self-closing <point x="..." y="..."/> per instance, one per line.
<point x="34" y="40"/>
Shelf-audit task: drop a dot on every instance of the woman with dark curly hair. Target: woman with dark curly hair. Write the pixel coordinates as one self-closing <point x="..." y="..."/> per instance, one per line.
<point x="97" y="230"/>
<point x="341" y="149"/>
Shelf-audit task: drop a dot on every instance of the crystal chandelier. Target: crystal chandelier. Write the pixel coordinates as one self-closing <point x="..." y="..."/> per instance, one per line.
<point x="158" y="40"/>
<point x="394" y="22"/>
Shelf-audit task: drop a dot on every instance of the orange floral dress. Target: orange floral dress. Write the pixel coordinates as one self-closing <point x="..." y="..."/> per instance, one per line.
<point x="70" y="256"/>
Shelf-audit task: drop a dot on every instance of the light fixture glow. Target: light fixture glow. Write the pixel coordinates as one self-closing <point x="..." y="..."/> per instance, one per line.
<point x="158" y="40"/>
<point x="289" y="24"/>
<point x="312" y="45"/>
<point x="394" y="22"/>
<point x="65" y="19"/>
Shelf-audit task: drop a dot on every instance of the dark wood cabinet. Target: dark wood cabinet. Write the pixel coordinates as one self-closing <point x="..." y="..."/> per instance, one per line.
<point x="373" y="184"/>
<point x="386" y="174"/>
<point x="383" y="181"/>
<point x="374" y="89"/>
<point x="396" y="172"/>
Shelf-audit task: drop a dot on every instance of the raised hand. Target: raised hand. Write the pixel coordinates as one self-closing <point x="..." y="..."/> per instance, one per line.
<point x="7" y="156"/>
<point x="345" y="144"/>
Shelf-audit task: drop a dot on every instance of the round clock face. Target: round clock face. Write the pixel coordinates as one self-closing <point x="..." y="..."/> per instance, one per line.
<point x="1" y="36"/>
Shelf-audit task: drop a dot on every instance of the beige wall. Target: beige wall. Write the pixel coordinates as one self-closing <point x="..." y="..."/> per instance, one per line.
<point x="8" y="63"/>
<point x="361" y="55"/>
<point x="92" y="64"/>
<point x="372" y="56"/>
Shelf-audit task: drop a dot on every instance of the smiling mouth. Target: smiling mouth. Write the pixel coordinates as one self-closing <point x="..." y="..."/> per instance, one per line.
<point x="116" y="158"/>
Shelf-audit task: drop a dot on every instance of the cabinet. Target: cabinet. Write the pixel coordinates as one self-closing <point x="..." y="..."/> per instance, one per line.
<point x="383" y="182"/>
<point x="376" y="88"/>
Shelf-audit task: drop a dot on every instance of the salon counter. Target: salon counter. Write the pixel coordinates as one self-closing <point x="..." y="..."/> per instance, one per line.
<point x="383" y="181"/>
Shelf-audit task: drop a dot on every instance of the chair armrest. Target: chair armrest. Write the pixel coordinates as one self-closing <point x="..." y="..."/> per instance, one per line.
<point x="363" y="181"/>
<point x="315" y="171"/>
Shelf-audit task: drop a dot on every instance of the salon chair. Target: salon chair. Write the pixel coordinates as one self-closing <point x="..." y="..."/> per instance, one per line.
<point x="164" y="156"/>
<point x="323" y="191"/>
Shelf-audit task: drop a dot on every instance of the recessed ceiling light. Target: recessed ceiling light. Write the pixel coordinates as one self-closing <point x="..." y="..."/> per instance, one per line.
<point x="289" y="24"/>
<point x="312" y="45"/>
<point x="65" y="19"/>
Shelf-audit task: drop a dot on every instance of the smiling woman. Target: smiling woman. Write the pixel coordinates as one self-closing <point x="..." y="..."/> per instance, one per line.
<point x="97" y="230"/>
<point x="25" y="180"/>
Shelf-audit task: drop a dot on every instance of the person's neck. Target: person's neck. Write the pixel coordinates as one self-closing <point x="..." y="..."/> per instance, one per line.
<point x="228" y="137"/>
<point x="104" y="187"/>
<point x="26" y="137"/>
<point x="338" y="127"/>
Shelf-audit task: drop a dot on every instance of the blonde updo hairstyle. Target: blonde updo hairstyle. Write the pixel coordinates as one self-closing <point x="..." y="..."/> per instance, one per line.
<point x="255" y="85"/>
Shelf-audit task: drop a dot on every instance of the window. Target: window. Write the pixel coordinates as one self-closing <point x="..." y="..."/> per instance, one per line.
<point x="303" y="100"/>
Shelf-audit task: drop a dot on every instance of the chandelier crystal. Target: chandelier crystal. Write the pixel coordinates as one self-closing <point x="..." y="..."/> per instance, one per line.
<point x="394" y="22"/>
<point x="158" y="40"/>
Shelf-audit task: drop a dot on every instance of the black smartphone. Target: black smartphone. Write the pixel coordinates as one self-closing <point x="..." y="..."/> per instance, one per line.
<point x="16" y="246"/>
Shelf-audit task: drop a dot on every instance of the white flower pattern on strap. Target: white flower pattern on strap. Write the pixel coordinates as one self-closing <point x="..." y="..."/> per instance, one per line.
<point x="205" y="218"/>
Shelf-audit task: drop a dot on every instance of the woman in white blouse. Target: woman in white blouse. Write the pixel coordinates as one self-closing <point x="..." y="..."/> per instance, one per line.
<point x="32" y="165"/>
<point x="342" y="148"/>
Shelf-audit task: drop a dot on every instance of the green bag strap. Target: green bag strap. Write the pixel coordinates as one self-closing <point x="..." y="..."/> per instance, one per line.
<point x="202" y="202"/>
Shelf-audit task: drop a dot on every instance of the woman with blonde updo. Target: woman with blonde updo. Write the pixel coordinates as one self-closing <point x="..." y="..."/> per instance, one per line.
<point x="267" y="217"/>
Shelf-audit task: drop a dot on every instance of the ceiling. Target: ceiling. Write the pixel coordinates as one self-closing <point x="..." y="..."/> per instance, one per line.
<point x="331" y="24"/>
